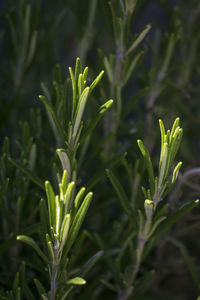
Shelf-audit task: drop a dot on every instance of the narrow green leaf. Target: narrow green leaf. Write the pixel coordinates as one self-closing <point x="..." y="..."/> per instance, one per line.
<point x="22" y="276"/>
<point x="78" y="69"/>
<point x="28" y="173"/>
<point x="162" y="130"/>
<point x="39" y="286"/>
<point x="76" y="281"/>
<point x="32" y="243"/>
<point x="176" y="216"/>
<point x="96" y="81"/>
<point x="161" y="212"/>
<point x="64" y="230"/>
<point x="79" y="197"/>
<point x="51" y="203"/>
<point x="44" y="220"/>
<point x="80" y="109"/>
<point x="65" y="161"/>
<point x="67" y="196"/>
<point x="16" y="283"/>
<point x="149" y="165"/>
<point x="28" y="293"/>
<point x="108" y="69"/>
<point x="163" y="165"/>
<point x="64" y="182"/>
<point x="53" y="115"/>
<point x="73" y="89"/>
<point x="143" y="283"/>
<point x="139" y="39"/>
<point x="50" y="248"/>
<point x="176" y="172"/>
<point x="90" y="263"/>
<point x="170" y="48"/>
<point x="6" y="146"/>
<point x="120" y="192"/>
<point x="78" y="220"/>
<point x="80" y="85"/>
<point x="191" y="268"/>
<point x="114" y="19"/>
<point x="175" y="125"/>
<point x="58" y="215"/>
<point x="32" y="48"/>
<point x="58" y="74"/>
<point x="85" y="72"/>
<point x="109" y="285"/>
<point x="132" y="67"/>
<point x="4" y="189"/>
<point x="94" y="121"/>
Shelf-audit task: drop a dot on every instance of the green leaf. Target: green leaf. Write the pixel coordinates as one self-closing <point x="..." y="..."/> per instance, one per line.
<point x="76" y="281"/>
<point x="108" y="69"/>
<point x="58" y="74"/>
<point x="163" y="168"/>
<point x="94" y="121"/>
<point x="78" y="69"/>
<point x="58" y="215"/>
<point x="176" y="172"/>
<point x="139" y="39"/>
<point x="132" y="66"/>
<point x="175" y="217"/>
<point x="91" y="262"/>
<point x="67" y="197"/>
<point x="64" y="182"/>
<point x="85" y="72"/>
<point x="120" y="193"/>
<point x="15" y="283"/>
<point x="74" y="92"/>
<point x="78" y="220"/>
<point x="175" y="125"/>
<point x="53" y="115"/>
<point x="114" y="19"/>
<point x="26" y="172"/>
<point x="65" y="161"/>
<point x="40" y="288"/>
<point x="44" y="220"/>
<point x="191" y="267"/>
<point x="32" y="48"/>
<point x="51" y="203"/>
<point x="32" y="243"/>
<point x="149" y="165"/>
<point x="143" y="283"/>
<point x="22" y="277"/>
<point x="64" y="230"/>
<point x="4" y="189"/>
<point x="96" y="81"/>
<point x="162" y="130"/>
<point x="50" y="248"/>
<point x="79" y="197"/>
<point x="80" y="85"/>
<point x="79" y="111"/>
<point x="170" y="48"/>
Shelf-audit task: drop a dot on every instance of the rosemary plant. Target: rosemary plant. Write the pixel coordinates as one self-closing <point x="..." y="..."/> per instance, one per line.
<point x="58" y="239"/>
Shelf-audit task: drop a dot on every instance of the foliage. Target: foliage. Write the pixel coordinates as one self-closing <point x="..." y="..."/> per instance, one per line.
<point x="88" y="209"/>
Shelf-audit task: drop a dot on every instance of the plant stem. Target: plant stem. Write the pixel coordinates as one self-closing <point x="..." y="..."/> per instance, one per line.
<point x="54" y="273"/>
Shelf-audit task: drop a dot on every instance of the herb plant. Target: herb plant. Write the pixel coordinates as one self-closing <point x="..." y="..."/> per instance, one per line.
<point x="88" y="210"/>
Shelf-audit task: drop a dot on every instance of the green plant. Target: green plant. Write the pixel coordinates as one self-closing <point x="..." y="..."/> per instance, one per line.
<point x="128" y="242"/>
<point x="145" y="230"/>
